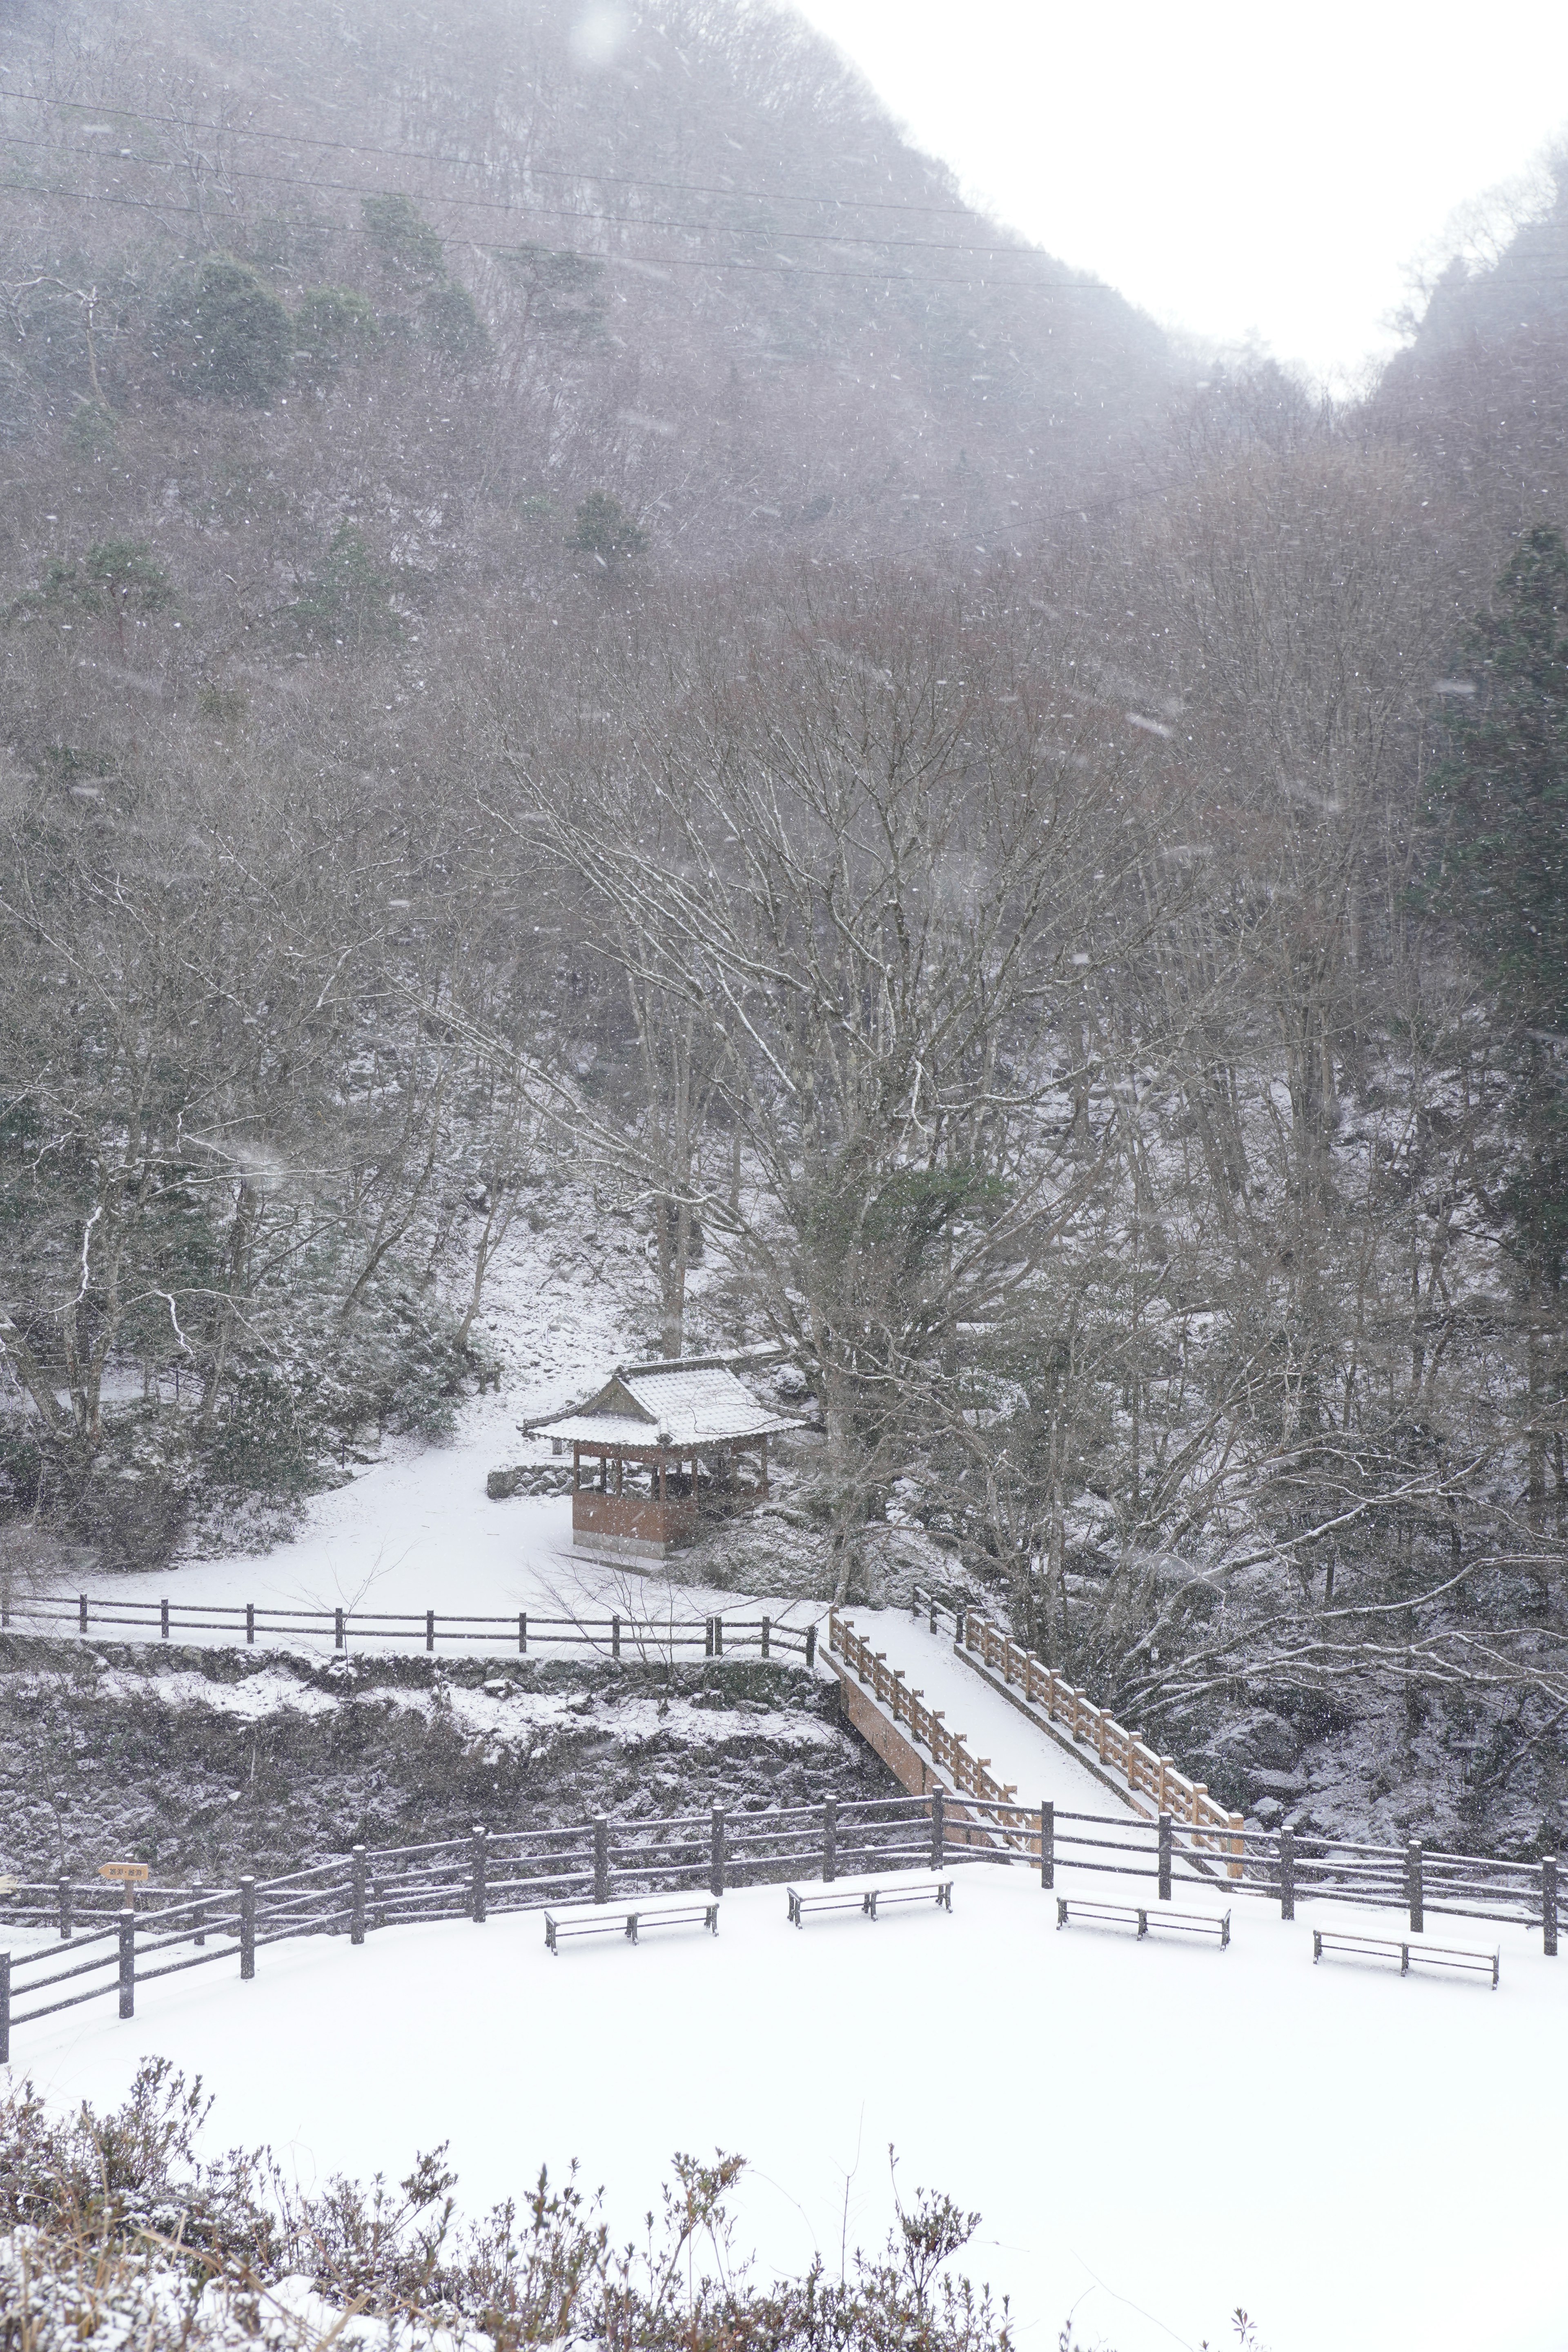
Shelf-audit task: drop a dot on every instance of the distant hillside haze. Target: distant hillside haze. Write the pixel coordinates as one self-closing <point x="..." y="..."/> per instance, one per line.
<point x="677" y="256"/>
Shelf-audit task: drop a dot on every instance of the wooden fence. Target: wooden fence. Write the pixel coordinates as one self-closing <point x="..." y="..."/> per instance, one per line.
<point x="658" y="1641"/>
<point x="96" y="1947"/>
<point x="1146" y="1774"/>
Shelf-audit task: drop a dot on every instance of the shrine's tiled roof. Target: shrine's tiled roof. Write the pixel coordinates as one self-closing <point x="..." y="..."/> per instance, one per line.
<point x="686" y="1403"/>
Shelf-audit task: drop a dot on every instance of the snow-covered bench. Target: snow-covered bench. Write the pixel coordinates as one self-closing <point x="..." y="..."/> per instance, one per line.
<point x="866" y="1895"/>
<point x="629" y="1918"/>
<point x="1408" y="1955"/>
<point x="1135" y="1914"/>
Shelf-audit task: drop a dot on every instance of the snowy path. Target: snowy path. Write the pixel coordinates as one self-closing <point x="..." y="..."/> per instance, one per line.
<point x="1154" y="2132"/>
<point x="990" y="1726"/>
<point x="417" y="1531"/>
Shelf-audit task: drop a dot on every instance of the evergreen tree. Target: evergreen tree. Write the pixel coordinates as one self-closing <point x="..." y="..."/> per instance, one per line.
<point x="1500" y="801"/>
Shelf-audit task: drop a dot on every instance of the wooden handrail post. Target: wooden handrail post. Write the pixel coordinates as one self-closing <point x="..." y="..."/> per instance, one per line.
<point x="250" y="1620"/>
<point x="1413" y="1886"/>
<point x="1165" y="1857"/>
<point x="356" y="1899"/>
<point x="1287" y="1874"/>
<point x="127" y="1925"/>
<point x="830" y="1838"/>
<point x="337" y="1629"/>
<point x="65" y="1908"/>
<point x="601" y="1859"/>
<point x="616" y="1636"/>
<point x="716" y="1852"/>
<point x="1237" y="1866"/>
<point x="247" y="1927"/>
<point x="429" y="1629"/>
<point x="1548" y="1905"/>
<point x="811" y="1644"/>
<point x="938" y="1828"/>
<point x="522" y="1632"/>
<point x="479" y="1840"/>
<point x="767" y="1629"/>
<point x="1047" y="1842"/>
<point x="163" y="1620"/>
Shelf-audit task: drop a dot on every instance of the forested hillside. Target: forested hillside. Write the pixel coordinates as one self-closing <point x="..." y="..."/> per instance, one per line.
<point x="570" y="614"/>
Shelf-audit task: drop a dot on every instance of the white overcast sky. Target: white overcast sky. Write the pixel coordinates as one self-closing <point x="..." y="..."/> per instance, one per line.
<point x="1236" y="170"/>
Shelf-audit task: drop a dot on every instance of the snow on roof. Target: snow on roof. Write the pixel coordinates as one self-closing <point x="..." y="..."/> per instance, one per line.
<point x="690" y="1401"/>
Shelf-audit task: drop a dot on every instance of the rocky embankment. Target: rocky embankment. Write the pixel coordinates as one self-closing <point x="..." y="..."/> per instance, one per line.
<point x="204" y="1763"/>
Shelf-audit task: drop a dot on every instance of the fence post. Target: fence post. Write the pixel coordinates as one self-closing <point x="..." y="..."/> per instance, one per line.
<point x="127" y="1923"/>
<point x="477" y="1888"/>
<point x="811" y="1644"/>
<point x="81" y="1613"/>
<point x="522" y="1632"/>
<point x="1548" y="1905"/>
<point x="1413" y="1884"/>
<point x="716" y="1852"/>
<point x="931" y="1597"/>
<point x="247" y="1927"/>
<point x="337" y="1629"/>
<point x="198" y="1923"/>
<point x="1047" y="1842"/>
<point x="4" y="2009"/>
<point x="1287" y="1874"/>
<point x="717" y="1637"/>
<point x="767" y="1628"/>
<point x="356" y="1899"/>
<point x="708" y="1637"/>
<point x="429" y="1629"/>
<point x="938" y="1828"/>
<point x="163" y="1620"/>
<point x="66" y="1921"/>
<point x="614" y="1637"/>
<point x="1165" y="1857"/>
<point x="830" y="1838"/>
<point x="601" y="1859"/>
<point x="250" y="1620"/>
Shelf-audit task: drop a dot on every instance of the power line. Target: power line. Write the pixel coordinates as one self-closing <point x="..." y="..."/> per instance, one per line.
<point x="511" y="205"/>
<point x="645" y="265"/>
<point x="460" y="162"/>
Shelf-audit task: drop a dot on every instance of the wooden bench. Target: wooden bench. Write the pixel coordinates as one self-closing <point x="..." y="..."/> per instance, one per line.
<point x="1408" y="1955"/>
<point x="629" y="1918"/>
<point x="1132" y="1915"/>
<point x="840" y="1895"/>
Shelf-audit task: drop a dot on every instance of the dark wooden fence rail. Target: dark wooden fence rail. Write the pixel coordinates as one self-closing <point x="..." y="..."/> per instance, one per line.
<point x="523" y="1870"/>
<point x="653" y="1641"/>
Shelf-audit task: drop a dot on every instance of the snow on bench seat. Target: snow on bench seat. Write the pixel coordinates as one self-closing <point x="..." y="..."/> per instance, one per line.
<point x="1136" y="1914"/>
<point x="865" y="1894"/>
<point x="630" y="1918"/>
<point x="1409" y="1954"/>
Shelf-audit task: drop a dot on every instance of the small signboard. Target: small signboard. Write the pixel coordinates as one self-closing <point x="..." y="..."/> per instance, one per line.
<point x="129" y="1873"/>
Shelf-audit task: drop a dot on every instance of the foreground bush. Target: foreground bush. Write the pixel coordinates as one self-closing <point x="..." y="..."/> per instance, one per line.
<point x="114" y="2231"/>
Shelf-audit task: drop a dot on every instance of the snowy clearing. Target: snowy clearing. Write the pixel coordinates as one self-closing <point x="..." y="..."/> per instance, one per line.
<point x="417" y="1532"/>
<point x="1155" y="2132"/>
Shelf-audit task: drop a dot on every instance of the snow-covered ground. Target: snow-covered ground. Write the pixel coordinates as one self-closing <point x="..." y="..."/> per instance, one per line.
<point x="1154" y="2132"/>
<point x="417" y="1532"/>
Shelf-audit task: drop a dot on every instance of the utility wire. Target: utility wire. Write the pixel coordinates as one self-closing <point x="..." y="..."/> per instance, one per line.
<point x="603" y="220"/>
<point x="460" y="163"/>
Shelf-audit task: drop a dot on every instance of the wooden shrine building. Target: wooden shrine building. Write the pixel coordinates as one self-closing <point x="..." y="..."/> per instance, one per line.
<point x="661" y="1446"/>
